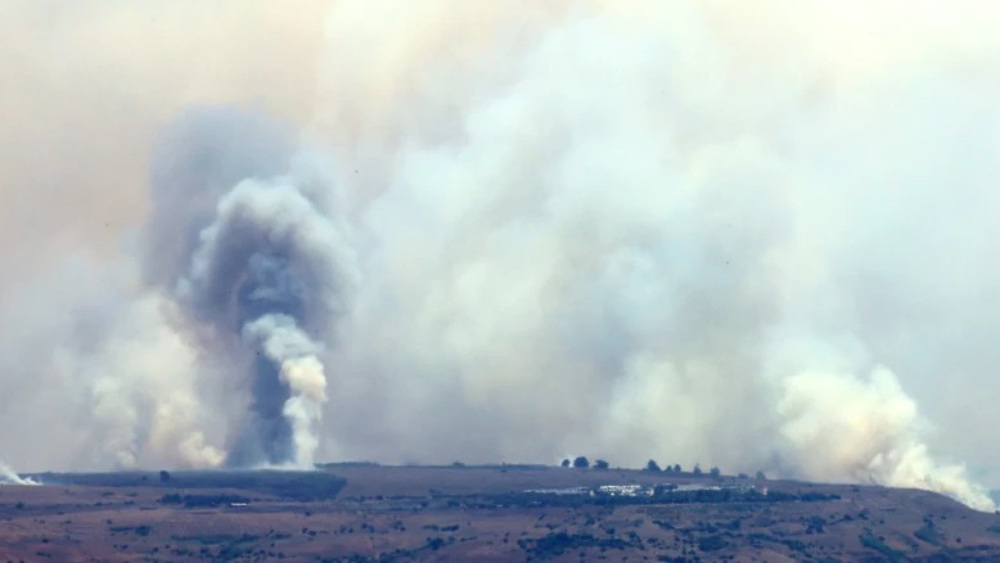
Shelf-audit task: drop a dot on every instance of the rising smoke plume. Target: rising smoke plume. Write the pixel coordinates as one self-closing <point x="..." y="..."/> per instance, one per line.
<point x="261" y="268"/>
<point x="747" y="235"/>
<point x="9" y="477"/>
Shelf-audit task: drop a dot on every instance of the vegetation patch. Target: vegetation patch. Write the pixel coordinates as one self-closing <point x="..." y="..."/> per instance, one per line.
<point x="555" y="544"/>
<point x="713" y="542"/>
<point x="871" y="541"/>
<point x="929" y="534"/>
<point x="139" y="530"/>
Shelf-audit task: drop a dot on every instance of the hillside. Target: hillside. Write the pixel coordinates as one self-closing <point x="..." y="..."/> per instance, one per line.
<point x="487" y="513"/>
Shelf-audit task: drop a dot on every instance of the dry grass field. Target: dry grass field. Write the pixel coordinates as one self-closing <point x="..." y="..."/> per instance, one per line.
<point x="450" y="513"/>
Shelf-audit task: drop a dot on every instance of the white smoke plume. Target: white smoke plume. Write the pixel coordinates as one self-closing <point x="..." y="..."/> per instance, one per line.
<point x="9" y="477"/>
<point x="841" y="426"/>
<point x="752" y="235"/>
<point x="295" y="354"/>
<point x="143" y="391"/>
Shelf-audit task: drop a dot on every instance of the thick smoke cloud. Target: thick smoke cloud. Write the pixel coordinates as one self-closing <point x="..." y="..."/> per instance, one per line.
<point x="754" y="236"/>
<point x="260" y="268"/>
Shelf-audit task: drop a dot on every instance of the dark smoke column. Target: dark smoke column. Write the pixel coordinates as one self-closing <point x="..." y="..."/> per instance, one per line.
<point x="258" y="257"/>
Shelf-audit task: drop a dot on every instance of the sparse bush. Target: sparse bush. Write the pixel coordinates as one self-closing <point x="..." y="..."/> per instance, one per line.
<point x="929" y="534"/>
<point x="712" y="543"/>
<point x="815" y="525"/>
<point x="205" y="501"/>
<point x="870" y="541"/>
<point x="556" y="544"/>
<point x="760" y="475"/>
<point x="435" y="543"/>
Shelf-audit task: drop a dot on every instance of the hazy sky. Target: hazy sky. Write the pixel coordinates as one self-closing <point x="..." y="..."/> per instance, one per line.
<point x="746" y="234"/>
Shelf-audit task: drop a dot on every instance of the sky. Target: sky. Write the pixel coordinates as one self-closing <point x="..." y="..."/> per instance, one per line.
<point x="757" y="236"/>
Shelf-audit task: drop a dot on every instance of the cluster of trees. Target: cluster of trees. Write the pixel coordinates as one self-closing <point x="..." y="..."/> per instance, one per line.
<point x="651" y="465"/>
<point x="676" y="468"/>
<point x="582" y="462"/>
<point x="202" y="501"/>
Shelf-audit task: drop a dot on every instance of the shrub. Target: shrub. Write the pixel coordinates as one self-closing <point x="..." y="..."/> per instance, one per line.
<point x="712" y="543"/>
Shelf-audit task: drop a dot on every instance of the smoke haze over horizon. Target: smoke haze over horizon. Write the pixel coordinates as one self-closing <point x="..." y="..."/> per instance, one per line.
<point x="757" y="237"/>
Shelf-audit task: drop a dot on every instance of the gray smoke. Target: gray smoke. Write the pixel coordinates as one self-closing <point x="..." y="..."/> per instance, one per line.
<point x="260" y="267"/>
<point x="752" y="235"/>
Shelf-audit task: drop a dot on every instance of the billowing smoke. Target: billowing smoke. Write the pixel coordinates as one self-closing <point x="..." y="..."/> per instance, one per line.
<point x="748" y="235"/>
<point x="865" y="429"/>
<point x="261" y="273"/>
<point x="9" y="477"/>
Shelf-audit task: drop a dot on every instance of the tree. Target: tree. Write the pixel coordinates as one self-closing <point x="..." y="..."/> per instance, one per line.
<point x="651" y="465"/>
<point x="600" y="464"/>
<point x="565" y="462"/>
<point x="668" y="469"/>
<point x="714" y="472"/>
<point x="760" y="475"/>
<point x="677" y="468"/>
<point x="164" y="476"/>
<point x="697" y="469"/>
<point x="581" y="462"/>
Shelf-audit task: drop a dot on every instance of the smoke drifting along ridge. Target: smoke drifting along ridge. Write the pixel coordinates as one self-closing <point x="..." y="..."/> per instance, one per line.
<point x="9" y="477"/>
<point x="697" y="231"/>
